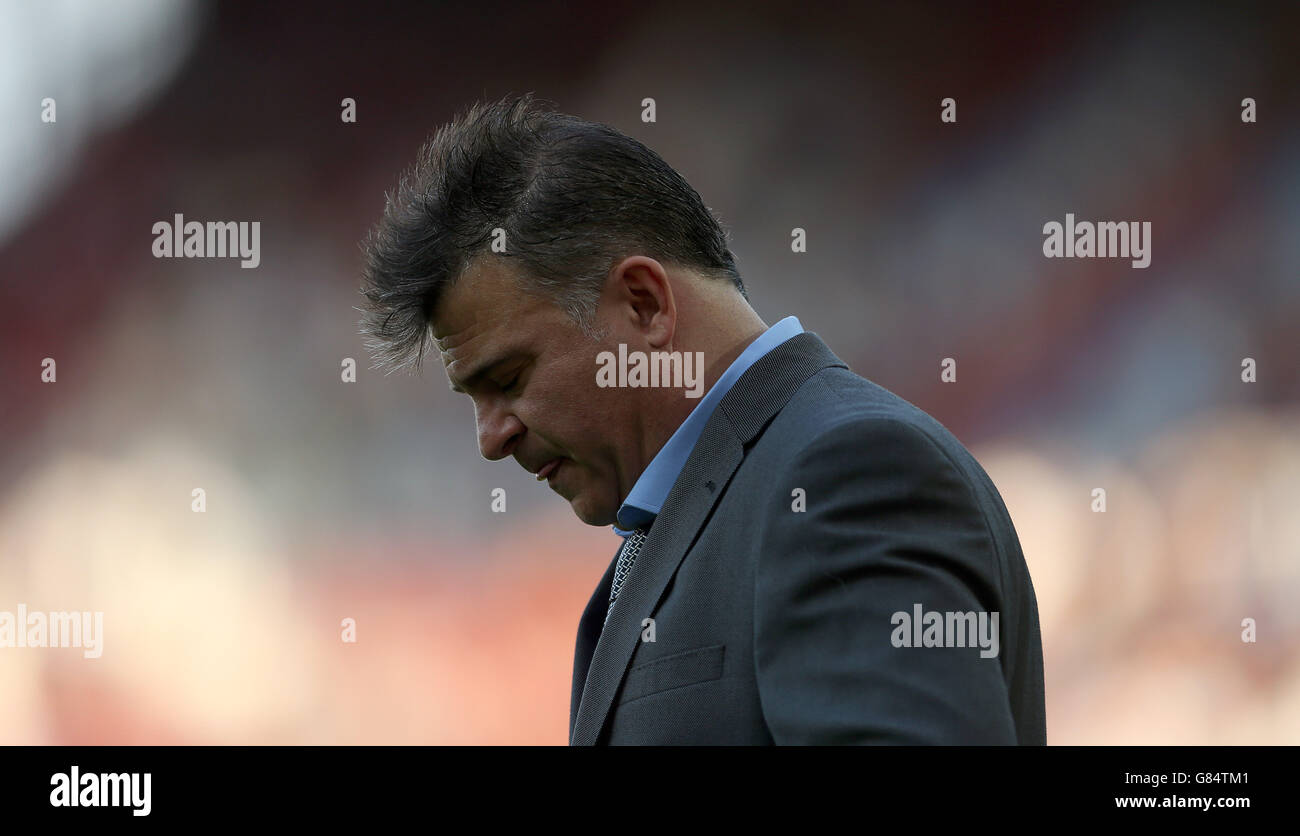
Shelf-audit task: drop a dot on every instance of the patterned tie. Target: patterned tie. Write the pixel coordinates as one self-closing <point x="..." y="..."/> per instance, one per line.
<point x="626" y="557"/>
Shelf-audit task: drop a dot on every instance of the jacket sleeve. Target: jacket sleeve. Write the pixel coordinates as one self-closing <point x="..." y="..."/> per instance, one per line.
<point x="890" y="523"/>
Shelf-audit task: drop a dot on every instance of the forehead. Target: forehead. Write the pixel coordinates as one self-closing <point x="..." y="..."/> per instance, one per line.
<point x="484" y="292"/>
<point x="483" y="312"/>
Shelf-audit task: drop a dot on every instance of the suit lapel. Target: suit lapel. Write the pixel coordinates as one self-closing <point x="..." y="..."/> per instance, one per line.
<point x="760" y="393"/>
<point x="683" y="514"/>
<point x="589" y="627"/>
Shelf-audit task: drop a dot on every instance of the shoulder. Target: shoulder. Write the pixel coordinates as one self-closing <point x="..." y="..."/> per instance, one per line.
<point x="840" y="414"/>
<point x="864" y="452"/>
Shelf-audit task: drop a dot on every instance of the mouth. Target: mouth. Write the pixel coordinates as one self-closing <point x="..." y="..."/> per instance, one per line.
<point x="547" y="470"/>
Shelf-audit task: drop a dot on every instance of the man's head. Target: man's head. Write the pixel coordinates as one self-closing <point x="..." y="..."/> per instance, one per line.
<point x="533" y="240"/>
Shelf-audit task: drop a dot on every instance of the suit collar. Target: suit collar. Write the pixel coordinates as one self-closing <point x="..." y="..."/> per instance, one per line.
<point x="646" y="498"/>
<point x="760" y="393"/>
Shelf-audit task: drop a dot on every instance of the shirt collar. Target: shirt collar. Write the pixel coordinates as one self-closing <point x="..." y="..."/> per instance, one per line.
<point x="651" y="489"/>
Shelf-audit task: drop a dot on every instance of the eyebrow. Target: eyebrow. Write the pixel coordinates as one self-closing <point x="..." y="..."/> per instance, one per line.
<point x="482" y="371"/>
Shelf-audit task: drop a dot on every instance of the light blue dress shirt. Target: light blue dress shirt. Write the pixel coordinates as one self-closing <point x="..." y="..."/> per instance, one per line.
<point x="648" y="494"/>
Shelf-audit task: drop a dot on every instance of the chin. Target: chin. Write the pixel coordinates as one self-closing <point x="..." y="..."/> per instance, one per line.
<point x="592" y="516"/>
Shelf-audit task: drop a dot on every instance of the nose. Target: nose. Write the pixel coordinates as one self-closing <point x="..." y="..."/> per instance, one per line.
<point x="499" y="431"/>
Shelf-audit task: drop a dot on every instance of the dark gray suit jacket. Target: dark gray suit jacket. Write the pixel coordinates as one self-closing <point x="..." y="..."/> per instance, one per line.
<point x="774" y="625"/>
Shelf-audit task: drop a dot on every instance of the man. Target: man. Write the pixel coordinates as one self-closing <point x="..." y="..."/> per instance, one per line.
<point x="807" y="558"/>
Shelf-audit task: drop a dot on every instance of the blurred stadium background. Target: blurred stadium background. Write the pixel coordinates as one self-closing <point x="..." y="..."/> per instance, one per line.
<point x="328" y="500"/>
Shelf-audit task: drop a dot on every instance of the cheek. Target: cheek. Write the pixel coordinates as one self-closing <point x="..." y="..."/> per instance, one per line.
<point x="572" y="405"/>
<point x="565" y="405"/>
<point x="599" y="418"/>
<point x="611" y="407"/>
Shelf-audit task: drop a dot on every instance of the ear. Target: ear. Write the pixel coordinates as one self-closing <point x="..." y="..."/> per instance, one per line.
<point x="640" y="293"/>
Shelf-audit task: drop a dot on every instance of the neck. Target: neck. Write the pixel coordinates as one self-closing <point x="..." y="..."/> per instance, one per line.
<point x="721" y="347"/>
<point x="720" y="359"/>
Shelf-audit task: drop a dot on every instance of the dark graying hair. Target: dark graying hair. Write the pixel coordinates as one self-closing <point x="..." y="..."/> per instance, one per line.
<point x="574" y="198"/>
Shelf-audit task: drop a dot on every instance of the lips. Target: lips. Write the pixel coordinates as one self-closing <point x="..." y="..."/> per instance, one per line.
<point x="547" y="469"/>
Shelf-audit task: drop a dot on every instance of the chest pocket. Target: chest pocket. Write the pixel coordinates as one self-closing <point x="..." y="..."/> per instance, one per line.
<point x="676" y="671"/>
